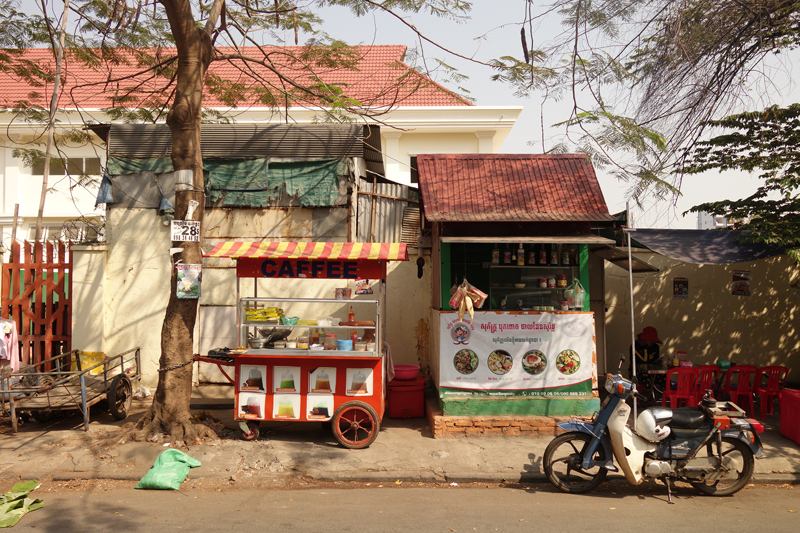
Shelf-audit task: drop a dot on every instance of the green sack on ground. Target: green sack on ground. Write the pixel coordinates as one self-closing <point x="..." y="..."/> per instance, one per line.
<point x="168" y="471"/>
<point x="15" y="503"/>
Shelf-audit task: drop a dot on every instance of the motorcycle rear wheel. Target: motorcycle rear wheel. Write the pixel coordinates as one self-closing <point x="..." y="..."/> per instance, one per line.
<point x="741" y="455"/>
<point x="562" y="460"/>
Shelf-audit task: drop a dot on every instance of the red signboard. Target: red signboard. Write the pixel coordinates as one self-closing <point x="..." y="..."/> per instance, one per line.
<point x="247" y="267"/>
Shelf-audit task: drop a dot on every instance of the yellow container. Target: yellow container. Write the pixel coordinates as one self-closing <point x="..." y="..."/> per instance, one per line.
<point x="89" y="359"/>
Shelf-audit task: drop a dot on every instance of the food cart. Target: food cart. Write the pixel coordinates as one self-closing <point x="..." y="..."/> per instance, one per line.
<point x="279" y="373"/>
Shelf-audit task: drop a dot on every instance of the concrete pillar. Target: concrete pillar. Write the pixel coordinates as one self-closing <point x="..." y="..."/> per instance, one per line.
<point x="396" y="165"/>
<point x="485" y="142"/>
<point x="88" y="288"/>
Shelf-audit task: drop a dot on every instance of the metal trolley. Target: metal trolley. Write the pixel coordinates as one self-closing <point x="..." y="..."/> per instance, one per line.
<point x="61" y="383"/>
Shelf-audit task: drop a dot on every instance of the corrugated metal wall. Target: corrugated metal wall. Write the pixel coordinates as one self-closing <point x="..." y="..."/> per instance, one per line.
<point x="388" y="213"/>
<point x="299" y="141"/>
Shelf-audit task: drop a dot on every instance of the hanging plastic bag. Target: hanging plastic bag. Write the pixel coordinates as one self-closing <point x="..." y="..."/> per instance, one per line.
<point x="575" y="295"/>
<point x="168" y="471"/>
<point x="466" y="298"/>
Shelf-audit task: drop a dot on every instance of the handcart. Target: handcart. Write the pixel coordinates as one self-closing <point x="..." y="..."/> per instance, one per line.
<point x="61" y="383"/>
<point x="286" y="379"/>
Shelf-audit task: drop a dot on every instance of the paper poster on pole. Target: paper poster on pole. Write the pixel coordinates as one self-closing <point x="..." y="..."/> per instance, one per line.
<point x="189" y="278"/>
<point x="518" y="354"/>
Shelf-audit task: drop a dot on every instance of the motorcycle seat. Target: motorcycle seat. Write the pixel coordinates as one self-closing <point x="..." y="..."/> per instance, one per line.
<point x="687" y="418"/>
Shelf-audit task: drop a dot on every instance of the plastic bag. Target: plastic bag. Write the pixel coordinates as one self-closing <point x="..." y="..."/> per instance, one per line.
<point x="168" y="471"/>
<point x="141" y="393"/>
<point x="466" y="299"/>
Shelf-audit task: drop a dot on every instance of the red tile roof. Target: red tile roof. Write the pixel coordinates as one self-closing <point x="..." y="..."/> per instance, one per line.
<point x="373" y="81"/>
<point x="510" y="188"/>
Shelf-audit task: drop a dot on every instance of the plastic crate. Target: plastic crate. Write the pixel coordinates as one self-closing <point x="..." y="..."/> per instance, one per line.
<point x="406" y="398"/>
<point x="790" y="415"/>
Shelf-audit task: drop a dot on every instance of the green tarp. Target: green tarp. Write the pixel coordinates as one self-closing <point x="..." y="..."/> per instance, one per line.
<point x="254" y="182"/>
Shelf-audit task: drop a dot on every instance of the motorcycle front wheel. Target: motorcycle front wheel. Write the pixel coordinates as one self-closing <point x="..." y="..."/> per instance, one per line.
<point x="562" y="464"/>
<point x="743" y="465"/>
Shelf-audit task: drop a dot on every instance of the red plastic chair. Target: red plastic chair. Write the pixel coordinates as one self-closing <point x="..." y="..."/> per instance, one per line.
<point x="707" y="381"/>
<point x="686" y="380"/>
<point x="743" y="387"/>
<point x="775" y="376"/>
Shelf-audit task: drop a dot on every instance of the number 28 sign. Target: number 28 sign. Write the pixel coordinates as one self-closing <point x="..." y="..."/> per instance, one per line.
<point x="185" y="230"/>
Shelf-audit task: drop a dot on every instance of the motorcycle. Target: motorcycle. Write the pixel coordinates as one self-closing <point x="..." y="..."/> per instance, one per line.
<point x="711" y="447"/>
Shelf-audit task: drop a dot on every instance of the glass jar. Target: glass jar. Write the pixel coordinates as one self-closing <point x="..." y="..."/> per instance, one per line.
<point x="330" y="342"/>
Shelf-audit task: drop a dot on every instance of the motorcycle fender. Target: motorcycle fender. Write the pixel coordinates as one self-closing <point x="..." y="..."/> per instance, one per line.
<point x="755" y="446"/>
<point x="629" y="448"/>
<point x="581" y="427"/>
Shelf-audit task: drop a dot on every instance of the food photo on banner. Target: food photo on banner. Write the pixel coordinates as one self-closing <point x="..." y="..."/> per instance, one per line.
<point x="503" y="354"/>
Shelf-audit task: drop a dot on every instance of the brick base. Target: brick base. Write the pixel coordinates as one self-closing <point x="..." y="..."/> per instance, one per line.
<point x="491" y="426"/>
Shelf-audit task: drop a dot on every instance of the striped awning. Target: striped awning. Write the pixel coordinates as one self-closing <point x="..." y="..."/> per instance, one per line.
<point x="329" y="251"/>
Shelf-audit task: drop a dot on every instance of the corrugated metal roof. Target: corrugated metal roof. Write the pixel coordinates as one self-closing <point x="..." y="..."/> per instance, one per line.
<point x="376" y="77"/>
<point x="510" y="188"/>
<point x="299" y="141"/>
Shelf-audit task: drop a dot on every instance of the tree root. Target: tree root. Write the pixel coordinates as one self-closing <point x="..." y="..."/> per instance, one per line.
<point x="187" y="429"/>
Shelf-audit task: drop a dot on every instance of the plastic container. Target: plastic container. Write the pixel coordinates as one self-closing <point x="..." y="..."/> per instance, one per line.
<point x="344" y="344"/>
<point x="316" y="347"/>
<point x="370" y="346"/>
<point x="330" y="342"/>
<point x="790" y="423"/>
<point x="405" y="372"/>
<point x="302" y="342"/>
<point x="279" y="344"/>
<point x="406" y="398"/>
<point x="291" y="344"/>
<point x="343" y="294"/>
<point x="361" y="346"/>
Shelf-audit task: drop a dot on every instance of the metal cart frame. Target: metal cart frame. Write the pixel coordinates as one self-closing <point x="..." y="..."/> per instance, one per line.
<point x="31" y="389"/>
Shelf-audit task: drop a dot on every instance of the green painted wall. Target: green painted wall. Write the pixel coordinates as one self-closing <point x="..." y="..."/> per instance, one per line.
<point x="583" y="272"/>
<point x="454" y="406"/>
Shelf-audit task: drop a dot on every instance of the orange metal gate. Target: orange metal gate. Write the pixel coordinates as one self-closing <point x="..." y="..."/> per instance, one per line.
<point x="36" y="295"/>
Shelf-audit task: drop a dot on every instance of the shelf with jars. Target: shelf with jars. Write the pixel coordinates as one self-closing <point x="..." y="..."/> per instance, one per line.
<point x="532" y="279"/>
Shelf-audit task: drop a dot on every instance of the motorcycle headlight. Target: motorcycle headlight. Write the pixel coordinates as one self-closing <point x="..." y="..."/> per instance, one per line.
<point x="610" y="385"/>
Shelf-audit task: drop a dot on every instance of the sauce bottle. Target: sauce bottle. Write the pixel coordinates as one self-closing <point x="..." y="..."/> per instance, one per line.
<point x="521" y="255"/>
<point x="495" y="255"/>
<point x="553" y="254"/>
<point x="565" y="253"/>
<point x="542" y="254"/>
<point x="351" y="316"/>
<point x="354" y="337"/>
<point x="507" y="255"/>
<point x="532" y="254"/>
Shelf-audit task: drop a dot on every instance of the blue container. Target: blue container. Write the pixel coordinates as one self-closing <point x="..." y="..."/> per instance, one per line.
<point x="346" y="345"/>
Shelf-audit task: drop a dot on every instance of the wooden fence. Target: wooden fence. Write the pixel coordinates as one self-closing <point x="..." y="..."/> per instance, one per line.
<point x="36" y="295"/>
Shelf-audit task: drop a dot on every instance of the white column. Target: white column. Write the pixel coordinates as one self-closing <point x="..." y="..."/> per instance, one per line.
<point x="88" y="286"/>
<point x="485" y="142"/>
<point x="395" y="164"/>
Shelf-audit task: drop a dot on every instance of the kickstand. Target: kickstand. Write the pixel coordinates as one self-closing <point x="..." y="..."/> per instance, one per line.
<point x="665" y="479"/>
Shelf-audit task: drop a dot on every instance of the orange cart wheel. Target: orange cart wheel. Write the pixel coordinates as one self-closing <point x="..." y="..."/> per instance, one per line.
<point x="355" y="425"/>
<point x="252" y="433"/>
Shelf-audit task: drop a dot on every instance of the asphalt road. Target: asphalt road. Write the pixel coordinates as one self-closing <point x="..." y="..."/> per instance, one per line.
<point x="350" y="507"/>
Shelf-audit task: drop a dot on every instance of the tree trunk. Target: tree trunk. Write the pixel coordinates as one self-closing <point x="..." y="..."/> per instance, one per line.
<point x="169" y="414"/>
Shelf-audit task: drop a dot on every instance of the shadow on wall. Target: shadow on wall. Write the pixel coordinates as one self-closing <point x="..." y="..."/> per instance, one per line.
<point x="711" y="323"/>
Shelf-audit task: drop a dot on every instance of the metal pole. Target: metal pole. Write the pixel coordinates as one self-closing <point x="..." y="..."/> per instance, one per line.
<point x="633" y="326"/>
<point x="83" y="402"/>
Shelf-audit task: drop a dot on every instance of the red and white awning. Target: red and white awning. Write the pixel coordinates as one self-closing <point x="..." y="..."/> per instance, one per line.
<point x="325" y="251"/>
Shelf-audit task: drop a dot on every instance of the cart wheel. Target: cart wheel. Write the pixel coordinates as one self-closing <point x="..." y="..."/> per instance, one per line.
<point x="43" y="416"/>
<point x="355" y="425"/>
<point x="120" y="396"/>
<point x="253" y="433"/>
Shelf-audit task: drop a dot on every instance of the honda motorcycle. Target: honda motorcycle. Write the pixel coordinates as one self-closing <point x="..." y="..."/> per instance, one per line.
<point x="711" y="446"/>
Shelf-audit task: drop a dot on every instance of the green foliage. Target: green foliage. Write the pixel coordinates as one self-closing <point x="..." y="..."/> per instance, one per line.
<point x="767" y="142"/>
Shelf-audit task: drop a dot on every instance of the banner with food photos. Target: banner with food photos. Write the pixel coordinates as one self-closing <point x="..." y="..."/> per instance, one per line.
<point x="517" y="354"/>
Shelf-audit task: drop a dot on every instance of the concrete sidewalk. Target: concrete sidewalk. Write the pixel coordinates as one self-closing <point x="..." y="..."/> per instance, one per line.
<point x="403" y="451"/>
